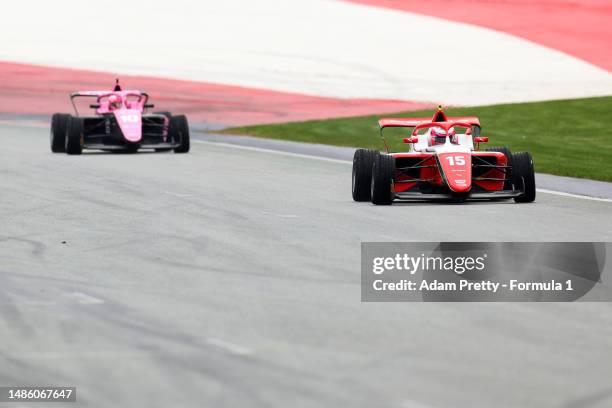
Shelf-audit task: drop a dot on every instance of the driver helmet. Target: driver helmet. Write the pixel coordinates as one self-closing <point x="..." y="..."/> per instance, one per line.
<point x="438" y="136"/>
<point x="114" y="102"/>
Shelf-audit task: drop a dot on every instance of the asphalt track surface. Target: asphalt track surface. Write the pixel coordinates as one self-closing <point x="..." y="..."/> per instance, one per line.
<point x="230" y="277"/>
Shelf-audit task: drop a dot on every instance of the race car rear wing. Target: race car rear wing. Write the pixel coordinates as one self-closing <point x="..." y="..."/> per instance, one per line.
<point x="100" y="94"/>
<point x="414" y="122"/>
<point x="439" y="116"/>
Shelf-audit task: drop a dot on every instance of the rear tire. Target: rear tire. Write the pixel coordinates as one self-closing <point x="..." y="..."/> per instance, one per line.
<point x="58" y="132"/>
<point x="508" y="154"/>
<point x="524" y="177"/>
<point x="74" y="136"/>
<point x="362" y="174"/>
<point x="382" y="179"/>
<point x="179" y="132"/>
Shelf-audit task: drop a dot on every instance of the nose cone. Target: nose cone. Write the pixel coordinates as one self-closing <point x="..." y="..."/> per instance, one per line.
<point x="130" y="122"/>
<point x="456" y="169"/>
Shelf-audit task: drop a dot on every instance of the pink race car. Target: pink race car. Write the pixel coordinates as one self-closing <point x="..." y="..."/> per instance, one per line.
<point x="120" y="123"/>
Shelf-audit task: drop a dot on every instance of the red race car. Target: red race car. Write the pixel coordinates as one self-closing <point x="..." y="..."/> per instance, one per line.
<point x="444" y="162"/>
<point x="120" y="123"/>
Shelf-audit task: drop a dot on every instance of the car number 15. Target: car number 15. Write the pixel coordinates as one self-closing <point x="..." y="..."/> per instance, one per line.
<point x="456" y="160"/>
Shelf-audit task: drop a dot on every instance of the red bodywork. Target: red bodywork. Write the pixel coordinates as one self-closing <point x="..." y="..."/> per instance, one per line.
<point x="449" y="168"/>
<point x="429" y="171"/>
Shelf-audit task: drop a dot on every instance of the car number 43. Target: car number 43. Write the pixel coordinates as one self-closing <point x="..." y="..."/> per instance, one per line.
<point x="456" y="160"/>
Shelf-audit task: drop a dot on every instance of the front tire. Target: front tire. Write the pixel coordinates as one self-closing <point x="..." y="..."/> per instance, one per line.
<point x="74" y="136"/>
<point x="508" y="154"/>
<point x="362" y="174"/>
<point x="382" y="179"/>
<point x="59" y="122"/>
<point x="524" y="177"/>
<point x="179" y="132"/>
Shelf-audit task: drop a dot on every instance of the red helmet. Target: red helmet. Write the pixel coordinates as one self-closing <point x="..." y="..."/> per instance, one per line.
<point x="114" y="102"/>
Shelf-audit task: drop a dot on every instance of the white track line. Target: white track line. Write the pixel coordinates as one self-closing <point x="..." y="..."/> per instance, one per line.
<point x="272" y="151"/>
<point x="583" y="197"/>
<point x="327" y="159"/>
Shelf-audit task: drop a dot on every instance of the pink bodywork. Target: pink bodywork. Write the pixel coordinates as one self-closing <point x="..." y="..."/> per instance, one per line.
<point x="128" y="116"/>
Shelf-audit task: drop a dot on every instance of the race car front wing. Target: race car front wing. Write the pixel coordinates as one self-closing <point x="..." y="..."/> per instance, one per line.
<point x="491" y="195"/>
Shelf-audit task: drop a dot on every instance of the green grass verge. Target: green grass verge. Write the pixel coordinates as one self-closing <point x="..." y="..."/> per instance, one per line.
<point x="569" y="137"/>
